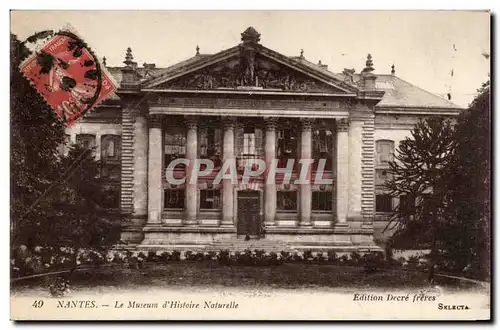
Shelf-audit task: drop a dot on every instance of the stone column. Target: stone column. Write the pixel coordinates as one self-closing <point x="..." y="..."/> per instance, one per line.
<point x="155" y="167"/>
<point x="305" y="187"/>
<point x="227" y="185"/>
<point x="355" y="167"/>
<point x="342" y="167"/>
<point x="270" y="188"/>
<point x="191" y="195"/>
<point x="140" y="171"/>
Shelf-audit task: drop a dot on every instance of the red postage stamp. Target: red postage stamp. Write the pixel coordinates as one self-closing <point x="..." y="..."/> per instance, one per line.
<point x="68" y="76"/>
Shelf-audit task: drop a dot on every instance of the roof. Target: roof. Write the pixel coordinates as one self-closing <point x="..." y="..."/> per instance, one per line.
<point x="398" y="92"/>
<point x="401" y="94"/>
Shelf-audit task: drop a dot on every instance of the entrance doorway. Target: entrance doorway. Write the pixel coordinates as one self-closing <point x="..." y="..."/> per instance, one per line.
<point x="249" y="219"/>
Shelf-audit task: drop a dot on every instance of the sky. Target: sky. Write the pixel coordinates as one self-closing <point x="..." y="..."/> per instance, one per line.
<point x="424" y="46"/>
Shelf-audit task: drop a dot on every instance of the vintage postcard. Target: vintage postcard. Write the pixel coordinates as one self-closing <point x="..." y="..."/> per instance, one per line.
<point x="250" y="165"/>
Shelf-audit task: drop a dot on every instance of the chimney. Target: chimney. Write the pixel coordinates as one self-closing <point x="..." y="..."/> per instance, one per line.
<point x="129" y="72"/>
<point x="393" y="70"/>
<point x="366" y="74"/>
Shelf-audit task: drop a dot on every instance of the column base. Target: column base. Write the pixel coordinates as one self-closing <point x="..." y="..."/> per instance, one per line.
<point x="227" y="224"/>
<point x="270" y="223"/>
<point x="190" y="223"/>
<point x="305" y="224"/>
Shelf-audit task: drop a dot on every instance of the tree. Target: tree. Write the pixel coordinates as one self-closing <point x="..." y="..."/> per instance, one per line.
<point x="55" y="201"/>
<point x="81" y="220"/>
<point x="418" y="178"/>
<point x="470" y="190"/>
<point x="35" y="135"/>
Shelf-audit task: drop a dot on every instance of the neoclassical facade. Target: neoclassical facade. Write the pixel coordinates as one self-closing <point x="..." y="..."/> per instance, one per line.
<point x="250" y="103"/>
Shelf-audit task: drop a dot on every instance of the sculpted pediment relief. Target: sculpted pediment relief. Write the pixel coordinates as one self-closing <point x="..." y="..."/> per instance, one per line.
<point x="250" y="69"/>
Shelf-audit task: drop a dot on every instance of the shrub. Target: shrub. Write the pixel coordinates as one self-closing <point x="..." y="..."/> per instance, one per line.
<point x="332" y="257"/>
<point x="152" y="256"/>
<point x="164" y="256"/>
<point x="286" y="256"/>
<point x="223" y="257"/>
<point x="59" y="287"/>
<point x="297" y="257"/>
<point x="373" y="261"/>
<point x="355" y="259"/>
<point x="175" y="256"/>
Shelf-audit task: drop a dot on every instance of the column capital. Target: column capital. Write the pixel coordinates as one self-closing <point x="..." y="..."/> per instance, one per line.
<point x="343" y="125"/>
<point x="155" y="121"/>
<point x="270" y="123"/>
<point x="191" y="122"/>
<point x="306" y="123"/>
<point x="228" y="122"/>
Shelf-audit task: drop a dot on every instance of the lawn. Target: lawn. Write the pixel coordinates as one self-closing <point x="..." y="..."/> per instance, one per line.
<point x="211" y="274"/>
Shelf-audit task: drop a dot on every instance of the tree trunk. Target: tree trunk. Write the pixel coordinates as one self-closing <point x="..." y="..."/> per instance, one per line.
<point x="433" y="254"/>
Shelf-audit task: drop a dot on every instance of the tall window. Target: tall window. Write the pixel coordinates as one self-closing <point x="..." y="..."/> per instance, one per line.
<point x="175" y="144"/>
<point x="323" y="147"/>
<point x="249" y="146"/>
<point x="111" y="156"/>
<point x="86" y="141"/>
<point x="210" y="199"/>
<point x="286" y="145"/>
<point x="384" y="154"/>
<point x="210" y="144"/>
<point x="174" y="198"/>
<point x="383" y="203"/>
<point x="322" y="200"/>
<point x="286" y="200"/>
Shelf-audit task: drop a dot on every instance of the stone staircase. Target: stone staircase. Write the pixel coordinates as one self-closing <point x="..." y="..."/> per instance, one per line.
<point x="239" y="244"/>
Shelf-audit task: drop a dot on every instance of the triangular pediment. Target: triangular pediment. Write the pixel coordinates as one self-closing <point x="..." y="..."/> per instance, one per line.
<point x="256" y="68"/>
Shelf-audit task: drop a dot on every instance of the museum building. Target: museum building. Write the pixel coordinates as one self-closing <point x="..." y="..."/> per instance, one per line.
<point x="246" y="103"/>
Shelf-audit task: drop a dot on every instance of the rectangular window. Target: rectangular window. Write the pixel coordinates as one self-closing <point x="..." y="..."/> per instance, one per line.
<point x="286" y="200"/>
<point x="210" y="199"/>
<point x="287" y="146"/>
<point x="110" y="148"/>
<point x="174" y="199"/>
<point x="321" y="200"/>
<point x="385" y="152"/>
<point x="210" y="143"/>
<point x="383" y="203"/>
<point x="249" y="146"/>
<point x="175" y="144"/>
<point x="86" y="141"/>
<point x="323" y="147"/>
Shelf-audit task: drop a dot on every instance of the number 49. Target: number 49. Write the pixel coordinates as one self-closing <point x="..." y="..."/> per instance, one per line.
<point x="37" y="303"/>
